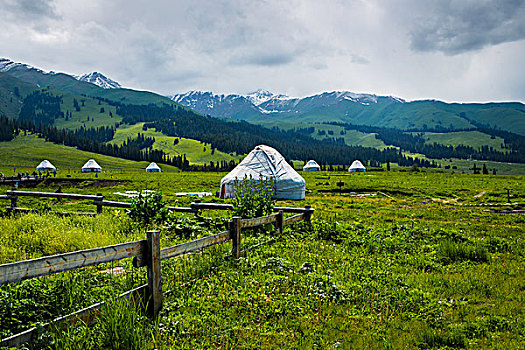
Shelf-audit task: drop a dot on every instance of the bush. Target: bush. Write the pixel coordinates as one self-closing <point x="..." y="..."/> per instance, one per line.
<point x="450" y="252"/>
<point x="148" y="208"/>
<point x="253" y="198"/>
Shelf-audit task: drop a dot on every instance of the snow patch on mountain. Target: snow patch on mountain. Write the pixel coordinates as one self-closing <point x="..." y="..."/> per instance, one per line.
<point x="98" y="79"/>
<point x="6" y="65"/>
<point x="260" y="96"/>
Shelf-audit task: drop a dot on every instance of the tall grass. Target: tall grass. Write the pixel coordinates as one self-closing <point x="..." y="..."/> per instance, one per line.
<point x="118" y="325"/>
<point x="29" y="236"/>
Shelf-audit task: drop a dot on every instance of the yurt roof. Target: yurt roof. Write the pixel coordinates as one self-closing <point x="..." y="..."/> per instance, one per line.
<point x="357" y="165"/>
<point x="311" y="163"/>
<point x="45" y="164"/>
<point x="91" y="164"/>
<point x="153" y="165"/>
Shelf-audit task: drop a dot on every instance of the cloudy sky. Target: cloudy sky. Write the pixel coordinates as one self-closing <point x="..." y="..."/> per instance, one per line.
<point x="452" y="50"/>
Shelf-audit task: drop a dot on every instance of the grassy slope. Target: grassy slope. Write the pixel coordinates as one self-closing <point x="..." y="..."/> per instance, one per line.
<point x="474" y="139"/>
<point x="352" y="137"/>
<point x="89" y="114"/>
<point x="10" y="104"/>
<point x="193" y="149"/>
<point x="25" y="152"/>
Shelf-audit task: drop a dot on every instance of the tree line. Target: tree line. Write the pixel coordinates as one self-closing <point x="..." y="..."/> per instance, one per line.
<point x="94" y="140"/>
<point x="512" y="150"/>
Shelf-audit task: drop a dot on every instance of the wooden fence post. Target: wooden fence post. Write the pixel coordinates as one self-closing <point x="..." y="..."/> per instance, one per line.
<point x="235" y="234"/>
<point x="14" y="200"/>
<point x="99" y="206"/>
<point x="308" y="214"/>
<point x="154" y="294"/>
<point x="280" y="220"/>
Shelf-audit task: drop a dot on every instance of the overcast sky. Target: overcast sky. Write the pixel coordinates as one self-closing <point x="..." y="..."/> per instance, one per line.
<point x="452" y="50"/>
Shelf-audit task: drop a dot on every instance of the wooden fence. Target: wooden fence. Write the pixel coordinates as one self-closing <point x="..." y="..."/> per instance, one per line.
<point x="145" y="253"/>
<point x="99" y="201"/>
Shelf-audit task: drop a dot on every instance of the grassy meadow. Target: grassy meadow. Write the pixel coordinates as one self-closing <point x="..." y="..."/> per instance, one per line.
<point x="196" y="152"/>
<point x="392" y="260"/>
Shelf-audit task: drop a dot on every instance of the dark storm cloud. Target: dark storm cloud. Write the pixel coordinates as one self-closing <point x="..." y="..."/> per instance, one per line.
<point x="457" y="26"/>
<point x="30" y="9"/>
<point x="264" y="59"/>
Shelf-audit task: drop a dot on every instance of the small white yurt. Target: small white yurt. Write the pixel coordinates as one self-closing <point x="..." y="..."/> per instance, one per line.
<point x="356" y="166"/>
<point x="153" y="168"/>
<point x="91" y="166"/>
<point x="311" y="166"/>
<point x="45" y="165"/>
<point x="266" y="162"/>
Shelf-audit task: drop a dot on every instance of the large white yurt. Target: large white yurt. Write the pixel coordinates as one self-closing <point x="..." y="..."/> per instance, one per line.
<point x="311" y="166"/>
<point x="45" y="165"/>
<point x="153" y="168"/>
<point x="356" y="166"/>
<point x="91" y="166"/>
<point x="266" y="162"/>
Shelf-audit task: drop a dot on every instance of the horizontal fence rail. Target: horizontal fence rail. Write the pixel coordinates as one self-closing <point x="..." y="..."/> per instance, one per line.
<point x="186" y="248"/>
<point x="47" y="265"/>
<point x="115" y="204"/>
<point x="292" y="219"/>
<point x="245" y="223"/>
<point x="54" y="195"/>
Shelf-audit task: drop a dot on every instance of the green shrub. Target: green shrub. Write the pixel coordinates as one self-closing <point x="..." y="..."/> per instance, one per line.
<point x="148" y="209"/>
<point x="450" y="252"/>
<point x="432" y="338"/>
<point x="253" y="198"/>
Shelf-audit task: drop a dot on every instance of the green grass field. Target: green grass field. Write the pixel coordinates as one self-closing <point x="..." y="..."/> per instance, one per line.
<point x="474" y="139"/>
<point x="393" y="260"/>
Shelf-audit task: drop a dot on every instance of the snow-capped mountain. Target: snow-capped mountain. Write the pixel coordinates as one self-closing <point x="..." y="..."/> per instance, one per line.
<point x="7" y="65"/>
<point x="99" y="79"/>
<point x="263" y="104"/>
<point x="228" y="106"/>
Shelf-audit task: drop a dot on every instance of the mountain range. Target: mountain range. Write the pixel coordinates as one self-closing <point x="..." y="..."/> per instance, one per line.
<point x="265" y="107"/>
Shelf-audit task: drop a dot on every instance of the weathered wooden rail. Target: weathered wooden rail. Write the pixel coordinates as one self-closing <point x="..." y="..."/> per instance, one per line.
<point x="99" y="201"/>
<point x="145" y="253"/>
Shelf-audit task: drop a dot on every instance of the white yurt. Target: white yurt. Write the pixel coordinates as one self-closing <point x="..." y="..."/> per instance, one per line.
<point x="311" y="166"/>
<point x="45" y="165"/>
<point x="91" y="166"/>
<point x="356" y="166"/>
<point x="153" y="168"/>
<point x="266" y="162"/>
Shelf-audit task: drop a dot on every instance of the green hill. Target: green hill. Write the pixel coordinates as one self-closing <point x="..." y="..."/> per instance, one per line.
<point x="69" y="84"/>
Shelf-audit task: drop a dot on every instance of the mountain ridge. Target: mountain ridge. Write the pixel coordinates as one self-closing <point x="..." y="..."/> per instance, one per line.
<point x="357" y="108"/>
